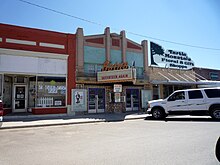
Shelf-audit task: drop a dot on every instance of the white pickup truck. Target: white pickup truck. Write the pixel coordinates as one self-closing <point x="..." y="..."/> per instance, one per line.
<point x="187" y="102"/>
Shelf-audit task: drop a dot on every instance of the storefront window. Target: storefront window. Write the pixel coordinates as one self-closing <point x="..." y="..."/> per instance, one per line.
<point x="7" y="92"/>
<point x="169" y="89"/>
<point x="51" y="91"/>
<point x="92" y="68"/>
<point x="139" y="72"/>
<point x="156" y="92"/>
<point x="32" y="92"/>
<point x="1" y="86"/>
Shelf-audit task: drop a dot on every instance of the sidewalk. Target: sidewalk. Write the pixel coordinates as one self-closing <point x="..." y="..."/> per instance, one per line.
<point x="29" y="120"/>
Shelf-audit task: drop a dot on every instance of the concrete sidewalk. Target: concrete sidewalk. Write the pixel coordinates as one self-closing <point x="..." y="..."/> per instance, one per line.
<point x="29" y="120"/>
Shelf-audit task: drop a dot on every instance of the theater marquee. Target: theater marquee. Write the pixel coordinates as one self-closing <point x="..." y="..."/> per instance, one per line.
<point x="117" y="75"/>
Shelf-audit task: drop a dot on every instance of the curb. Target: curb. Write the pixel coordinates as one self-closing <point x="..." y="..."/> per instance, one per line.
<point x="45" y="125"/>
<point x="69" y="123"/>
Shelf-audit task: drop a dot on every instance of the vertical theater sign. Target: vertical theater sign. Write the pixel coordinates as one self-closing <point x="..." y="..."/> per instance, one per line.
<point x="169" y="58"/>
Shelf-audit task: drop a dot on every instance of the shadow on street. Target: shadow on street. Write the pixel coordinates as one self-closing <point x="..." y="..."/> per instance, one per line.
<point x="184" y="119"/>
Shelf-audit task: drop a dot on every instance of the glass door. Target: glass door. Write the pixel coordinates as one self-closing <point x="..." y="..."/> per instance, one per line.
<point x="101" y="100"/>
<point x="96" y="100"/>
<point x="20" y="98"/>
<point x="92" y="101"/>
<point x="132" y="99"/>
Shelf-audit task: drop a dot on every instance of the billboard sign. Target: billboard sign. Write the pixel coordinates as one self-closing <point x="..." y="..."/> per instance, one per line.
<point x="169" y="58"/>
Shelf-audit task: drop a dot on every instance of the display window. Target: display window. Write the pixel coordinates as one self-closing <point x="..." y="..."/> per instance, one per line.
<point x="47" y="91"/>
<point x="50" y="92"/>
<point x="32" y="95"/>
<point x="1" y="87"/>
<point x="7" y="92"/>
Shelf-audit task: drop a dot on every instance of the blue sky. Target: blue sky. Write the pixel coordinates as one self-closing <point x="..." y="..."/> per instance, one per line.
<point x="192" y="22"/>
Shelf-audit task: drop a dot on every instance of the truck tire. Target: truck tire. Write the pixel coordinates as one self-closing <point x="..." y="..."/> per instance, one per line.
<point x="158" y="113"/>
<point x="215" y="113"/>
<point x="217" y="149"/>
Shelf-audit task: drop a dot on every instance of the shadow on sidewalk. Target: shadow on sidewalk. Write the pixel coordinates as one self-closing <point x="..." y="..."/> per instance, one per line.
<point x="28" y="117"/>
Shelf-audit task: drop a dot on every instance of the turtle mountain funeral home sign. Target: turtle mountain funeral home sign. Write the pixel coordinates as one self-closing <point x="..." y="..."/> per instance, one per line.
<point x="116" y="73"/>
<point x="169" y="58"/>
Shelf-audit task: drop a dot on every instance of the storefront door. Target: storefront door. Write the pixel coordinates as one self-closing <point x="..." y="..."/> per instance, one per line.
<point x="96" y="100"/>
<point x="20" y="98"/>
<point x="132" y="99"/>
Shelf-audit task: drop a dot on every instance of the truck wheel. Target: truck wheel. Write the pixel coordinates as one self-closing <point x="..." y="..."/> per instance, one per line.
<point x="215" y="113"/>
<point x="217" y="149"/>
<point x="158" y="113"/>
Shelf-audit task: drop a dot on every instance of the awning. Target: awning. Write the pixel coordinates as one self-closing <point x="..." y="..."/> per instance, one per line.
<point x="177" y="77"/>
<point x="174" y="77"/>
<point x="171" y="77"/>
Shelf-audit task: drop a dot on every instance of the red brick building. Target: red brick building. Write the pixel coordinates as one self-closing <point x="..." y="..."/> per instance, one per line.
<point x="37" y="70"/>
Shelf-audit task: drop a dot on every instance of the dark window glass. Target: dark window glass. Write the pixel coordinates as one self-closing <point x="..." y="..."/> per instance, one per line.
<point x="214" y="76"/>
<point x="212" y="93"/>
<point x="195" y="94"/>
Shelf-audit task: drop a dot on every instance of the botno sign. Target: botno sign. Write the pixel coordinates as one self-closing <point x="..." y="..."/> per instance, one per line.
<point x="169" y="58"/>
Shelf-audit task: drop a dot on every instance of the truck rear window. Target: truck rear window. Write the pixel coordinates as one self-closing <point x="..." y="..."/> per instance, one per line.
<point x="212" y="93"/>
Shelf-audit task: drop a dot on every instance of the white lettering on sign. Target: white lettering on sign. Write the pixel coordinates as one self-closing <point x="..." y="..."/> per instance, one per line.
<point x="169" y="58"/>
<point x="116" y="75"/>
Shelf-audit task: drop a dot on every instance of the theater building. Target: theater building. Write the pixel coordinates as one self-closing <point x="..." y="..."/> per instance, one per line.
<point x="37" y="70"/>
<point x="113" y="70"/>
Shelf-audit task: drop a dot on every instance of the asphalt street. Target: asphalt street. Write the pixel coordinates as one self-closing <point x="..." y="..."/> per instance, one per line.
<point x="177" y="141"/>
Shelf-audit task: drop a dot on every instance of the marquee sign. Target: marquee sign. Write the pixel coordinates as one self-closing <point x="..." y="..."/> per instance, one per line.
<point x="107" y="66"/>
<point x="169" y="58"/>
<point x="116" y="75"/>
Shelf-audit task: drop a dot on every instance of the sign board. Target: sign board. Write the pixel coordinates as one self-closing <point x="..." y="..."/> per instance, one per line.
<point x="169" y="58"/>
<point x="79" y="100"/>
<point x="117" y="75"/>
<point x="117" y="97"/>
<point x="107" y="66"/>
<point x="117" y="87"/>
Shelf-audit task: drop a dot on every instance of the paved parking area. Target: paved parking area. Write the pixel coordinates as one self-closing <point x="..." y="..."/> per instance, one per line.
<point x="181" y="141"/>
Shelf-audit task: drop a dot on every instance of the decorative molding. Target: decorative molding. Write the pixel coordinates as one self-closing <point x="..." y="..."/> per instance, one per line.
<point x="115" y="42"/>
<point x="96" y="40"/>
<point x="133" y="46"/>
<point x="23" y="42"/>
<point x="52" y="45"/>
